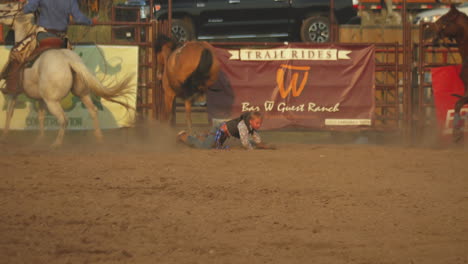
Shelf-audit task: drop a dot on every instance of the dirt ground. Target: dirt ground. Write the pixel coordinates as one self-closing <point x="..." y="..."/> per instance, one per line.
<point x="140" y="198"/>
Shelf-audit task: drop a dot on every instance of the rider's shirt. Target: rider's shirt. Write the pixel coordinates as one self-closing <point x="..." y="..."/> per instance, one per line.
<point x="55" y="14"/>
<point x="244" y="135"/>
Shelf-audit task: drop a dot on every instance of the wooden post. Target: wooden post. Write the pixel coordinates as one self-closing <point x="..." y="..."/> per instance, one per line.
<point x="153" y="72"/>
<point x="333" y="24"/>
<point x="407" y="77"/>
<point x="1" y="34"/>
<point x="169" y="17"/>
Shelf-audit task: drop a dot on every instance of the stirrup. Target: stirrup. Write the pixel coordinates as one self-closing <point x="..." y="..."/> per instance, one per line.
<point x="3" y="89"/>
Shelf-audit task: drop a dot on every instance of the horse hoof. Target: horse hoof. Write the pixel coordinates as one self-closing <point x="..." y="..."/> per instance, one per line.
<point x="100" y="139"/>
<point x="39" y="139"/>
<point x="56" y="145"/>
<point x="457" y="136"/>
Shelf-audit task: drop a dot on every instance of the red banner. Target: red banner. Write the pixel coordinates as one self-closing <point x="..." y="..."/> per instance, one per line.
<point x="314" y="86"/>
<point x="445" y="82"/>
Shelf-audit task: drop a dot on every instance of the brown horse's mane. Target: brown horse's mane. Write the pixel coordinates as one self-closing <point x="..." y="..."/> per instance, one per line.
<point x="463" y="15"/>
<point x="459" y="13"/>
<point x="451" y="18"/>
<point x="162" y="40"/>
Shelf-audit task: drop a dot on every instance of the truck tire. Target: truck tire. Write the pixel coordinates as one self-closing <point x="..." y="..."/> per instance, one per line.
<point x="183" y="30"/>
<point x="315" y="29"/>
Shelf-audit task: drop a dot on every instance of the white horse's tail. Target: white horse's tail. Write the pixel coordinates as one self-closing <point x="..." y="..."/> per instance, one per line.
<point x="121" y="89"/>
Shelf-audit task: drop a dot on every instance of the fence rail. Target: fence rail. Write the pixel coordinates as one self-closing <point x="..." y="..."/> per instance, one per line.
<point x="394" y="109"/>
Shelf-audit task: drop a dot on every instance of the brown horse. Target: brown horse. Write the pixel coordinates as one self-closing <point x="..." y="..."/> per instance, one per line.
<point x="187" y="71"/>
<point x="454" y="25"/>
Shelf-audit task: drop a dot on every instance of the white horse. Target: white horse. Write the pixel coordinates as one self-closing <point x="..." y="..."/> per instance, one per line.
<point x="53" y="75"/>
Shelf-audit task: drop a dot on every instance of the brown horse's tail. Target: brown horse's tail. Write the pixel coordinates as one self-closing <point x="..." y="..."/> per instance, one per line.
<point x="195" y="83"/>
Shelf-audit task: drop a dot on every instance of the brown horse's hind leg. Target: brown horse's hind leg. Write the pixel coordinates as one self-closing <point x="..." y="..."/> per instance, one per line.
<point x="9" y="115"/>
<point x="56" y="109"/>
<point x="169" y="96"/>
<point x="86" y="99"/>
<point x="458" y="123"/>
<point x="188" y="114"/>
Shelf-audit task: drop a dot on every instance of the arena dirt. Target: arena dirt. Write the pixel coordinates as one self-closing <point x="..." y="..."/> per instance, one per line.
<point x="140" y="198"/>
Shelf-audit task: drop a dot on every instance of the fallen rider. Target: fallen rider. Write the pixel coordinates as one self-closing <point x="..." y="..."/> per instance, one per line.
<point x="244" y="128"/>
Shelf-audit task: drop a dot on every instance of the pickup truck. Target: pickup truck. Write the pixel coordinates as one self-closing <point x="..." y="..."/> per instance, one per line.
<point x="293" y="20"/>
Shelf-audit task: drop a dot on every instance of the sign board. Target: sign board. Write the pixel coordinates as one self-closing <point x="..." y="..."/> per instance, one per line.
<point x="315" y="86"/>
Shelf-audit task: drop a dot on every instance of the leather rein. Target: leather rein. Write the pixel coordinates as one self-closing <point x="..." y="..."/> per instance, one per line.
<point x="6" y="13"/>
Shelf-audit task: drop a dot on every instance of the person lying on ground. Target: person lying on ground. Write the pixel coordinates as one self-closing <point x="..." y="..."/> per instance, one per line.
<point x="244" y="128"/>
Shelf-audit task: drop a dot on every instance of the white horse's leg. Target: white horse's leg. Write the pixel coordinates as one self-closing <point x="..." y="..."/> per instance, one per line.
<point x="56" y="109"/>
<point x="41" y="117"/>
<point x="9" y="115"/>
<point x="86" y="99"/>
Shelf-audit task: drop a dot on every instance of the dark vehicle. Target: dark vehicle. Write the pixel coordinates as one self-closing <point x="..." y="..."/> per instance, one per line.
<point x="305" y="20"/>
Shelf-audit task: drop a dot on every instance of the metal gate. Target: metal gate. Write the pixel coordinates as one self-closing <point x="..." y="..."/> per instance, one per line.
<point x="129" y="27"/>
<point x="393" y="83"/>
<point x="138" y="32"/>
<point x="394" y="107"/>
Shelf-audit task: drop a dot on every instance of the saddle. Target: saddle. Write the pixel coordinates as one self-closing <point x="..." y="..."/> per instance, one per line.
<point x="13" y="74"/>
<point x="44" y="45"/>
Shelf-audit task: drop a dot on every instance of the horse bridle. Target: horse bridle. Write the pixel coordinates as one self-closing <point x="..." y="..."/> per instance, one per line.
<point x="6" y="13"/>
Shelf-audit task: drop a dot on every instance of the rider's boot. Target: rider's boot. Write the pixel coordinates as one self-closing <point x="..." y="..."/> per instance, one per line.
<point x="11" y="74"/>
<point x="5" y="70"/>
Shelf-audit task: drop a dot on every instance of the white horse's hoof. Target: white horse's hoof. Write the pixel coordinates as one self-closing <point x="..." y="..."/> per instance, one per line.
<point x="56" y="145"/>
<point x="3" y="138"/>
<point x="99" y="137"/>
<point x="38" y="140"/>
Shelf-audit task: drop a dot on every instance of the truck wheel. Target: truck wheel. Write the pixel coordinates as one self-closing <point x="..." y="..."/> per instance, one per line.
<point x="315" y="29"/>
<point x="183" y="30"/>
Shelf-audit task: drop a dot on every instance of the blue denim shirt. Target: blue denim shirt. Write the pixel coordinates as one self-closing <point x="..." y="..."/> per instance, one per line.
<point x="55" y="14"/>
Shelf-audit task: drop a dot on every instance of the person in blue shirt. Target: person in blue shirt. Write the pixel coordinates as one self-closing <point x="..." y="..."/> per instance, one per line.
<point x="54" y="18"/>
<point x="55" y="15"/>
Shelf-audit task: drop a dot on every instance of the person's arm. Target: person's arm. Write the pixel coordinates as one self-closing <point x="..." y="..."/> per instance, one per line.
<point x="78" y="17"/>
<point x="256" y="138"/>
<point x="244" y="135"/>
<point x="258" y="142"/>
<point x="31" y="6"/>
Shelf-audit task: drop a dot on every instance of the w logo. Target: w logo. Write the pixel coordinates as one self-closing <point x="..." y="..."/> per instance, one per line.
<point x="292" y="87"/>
